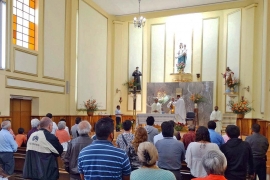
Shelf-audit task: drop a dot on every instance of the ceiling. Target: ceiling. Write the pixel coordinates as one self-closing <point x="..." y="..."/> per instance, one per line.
<point x="125" y="7"/>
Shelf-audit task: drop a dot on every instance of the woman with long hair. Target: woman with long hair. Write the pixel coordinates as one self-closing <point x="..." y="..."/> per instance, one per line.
<point x="140" y="136"/>
<point x="197" y="149"/>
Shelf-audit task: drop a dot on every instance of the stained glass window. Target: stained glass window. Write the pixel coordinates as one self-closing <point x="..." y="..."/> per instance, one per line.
<point x="24" y="23"/>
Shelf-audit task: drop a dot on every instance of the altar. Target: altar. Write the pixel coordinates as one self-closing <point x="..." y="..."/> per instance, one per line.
<point x="159" y="118"/>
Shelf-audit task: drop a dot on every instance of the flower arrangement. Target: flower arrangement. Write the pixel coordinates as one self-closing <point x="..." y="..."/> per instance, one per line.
<point x="91" y="105"/>
<point x="196" y="98"/>
<point x="130" y="83"/>
<point x="179" y="126"/>
<point x="241" y="107"/>
<point x="180" y="66"/>
<point x="231" y="83"/>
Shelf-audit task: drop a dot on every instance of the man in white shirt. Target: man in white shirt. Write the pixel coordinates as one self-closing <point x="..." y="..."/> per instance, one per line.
<point x="156" y="107"/>
<point x="55" y="127"/>
<point x="180" y="110"/>
<point x="216" y="116"/>
<point x="170" y="105"/>
<point x="118" y="117"/>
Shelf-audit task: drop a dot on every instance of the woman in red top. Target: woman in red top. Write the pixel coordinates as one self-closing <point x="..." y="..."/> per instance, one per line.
<point x="213" y="162"/>
<point x="62" y="136"/>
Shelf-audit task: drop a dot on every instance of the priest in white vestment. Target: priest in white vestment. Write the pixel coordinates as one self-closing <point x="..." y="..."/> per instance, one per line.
<point x="217" y="117"/>
<point x="180" y="110"/>
<point x="156" y="107"/>
<point x="170" y="105"/>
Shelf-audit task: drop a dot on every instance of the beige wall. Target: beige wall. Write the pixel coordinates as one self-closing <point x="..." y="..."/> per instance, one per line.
<point x="117" y="58"/>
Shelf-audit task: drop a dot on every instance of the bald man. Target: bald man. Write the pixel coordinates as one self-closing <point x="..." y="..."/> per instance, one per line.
<point x="42" y="151"/>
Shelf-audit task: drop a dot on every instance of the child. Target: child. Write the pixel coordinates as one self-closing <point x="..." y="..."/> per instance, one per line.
<point x="20" y="138"/>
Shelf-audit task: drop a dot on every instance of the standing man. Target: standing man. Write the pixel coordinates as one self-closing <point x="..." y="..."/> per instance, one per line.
<point x="74" y="148"/>
<point x="180" y="109"/>
<point x="259" y="145"/>
<point x="214" y="136"/>
<point x="118" y="118"/>
<point x="55" y="127"/>
<point x="170" y="105"/>
<point x="42" y="151"/>
<point x="238" y="154"/>
<point x="136" y="74"/>
<point x="156" y="107"/>
<point x="101" y="160"/>
<point x="171" y="152"/>
<point x="75" y="127"/>
<point x="216" y="116"/>
<point x="7" y="147"/>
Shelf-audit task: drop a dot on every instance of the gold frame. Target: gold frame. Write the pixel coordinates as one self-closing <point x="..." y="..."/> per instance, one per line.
<point x="240" y="50"/>
<point x="150" y="63"/>
<point x="218" y="41"/>
<point x="15" y="48"/>
<point x="106" y="51"/>
<point x="43" y="34"/>
<point x="34" y="81"/>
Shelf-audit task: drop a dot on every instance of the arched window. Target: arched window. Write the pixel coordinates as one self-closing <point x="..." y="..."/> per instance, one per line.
<point x="24" y="23"/>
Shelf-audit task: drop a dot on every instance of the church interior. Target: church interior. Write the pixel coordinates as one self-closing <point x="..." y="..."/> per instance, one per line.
<point x="61" y="53"/>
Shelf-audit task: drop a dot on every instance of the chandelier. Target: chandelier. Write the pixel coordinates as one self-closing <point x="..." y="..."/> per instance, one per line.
<point x="140" y="21"/>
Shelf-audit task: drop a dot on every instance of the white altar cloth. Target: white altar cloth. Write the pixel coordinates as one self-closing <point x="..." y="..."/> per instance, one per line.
<point x="159" y="118"/>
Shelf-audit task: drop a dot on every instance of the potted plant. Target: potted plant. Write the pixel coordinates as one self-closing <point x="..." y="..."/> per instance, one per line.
<point x="179" y="126"/>
<point x="232" y="83"/>
<point x="196" y="98"/>
<point x="180" y="67"/>
<point x="91" y="106"/>
<point x="240" y="108"/>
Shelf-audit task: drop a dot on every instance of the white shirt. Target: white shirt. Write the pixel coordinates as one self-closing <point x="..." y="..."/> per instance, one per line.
<point x="159" y="137"/>
<point x="194" y="153"/>
<point x="216" y="115"/>
<point x="180" y="108"/>
<point x="117" y="112"/>
<point x="156" y="107"/>
<point x="170" y="103"/>
<point x="67" y="129"/>
<point x="55" y="127"/>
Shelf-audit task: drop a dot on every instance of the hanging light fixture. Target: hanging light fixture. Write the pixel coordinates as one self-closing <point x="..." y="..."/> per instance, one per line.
<point x="140" y="21"/>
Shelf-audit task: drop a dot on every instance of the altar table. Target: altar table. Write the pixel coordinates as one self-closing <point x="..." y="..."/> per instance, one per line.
<point x="159" y="118"/>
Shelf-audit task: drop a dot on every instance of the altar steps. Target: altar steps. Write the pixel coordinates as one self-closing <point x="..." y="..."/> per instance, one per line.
<point x="228" y="119"/>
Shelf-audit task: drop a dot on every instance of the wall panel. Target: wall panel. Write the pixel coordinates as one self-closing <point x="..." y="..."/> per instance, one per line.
<point x="210" y="52"/>
<point x="158" y="52"/>
<point x="54" y="39"/>
<point x="92" y="56"/>
<point x="25" y="62"/>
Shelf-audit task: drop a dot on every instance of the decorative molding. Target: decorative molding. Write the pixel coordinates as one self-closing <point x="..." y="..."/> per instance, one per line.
<point x="33" y="82"/>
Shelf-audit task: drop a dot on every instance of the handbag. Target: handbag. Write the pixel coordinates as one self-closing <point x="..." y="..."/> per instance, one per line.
<point x="132" y="155"/>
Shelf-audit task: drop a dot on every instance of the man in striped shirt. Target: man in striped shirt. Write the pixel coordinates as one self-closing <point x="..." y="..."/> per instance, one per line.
<point x="101" y="160"/>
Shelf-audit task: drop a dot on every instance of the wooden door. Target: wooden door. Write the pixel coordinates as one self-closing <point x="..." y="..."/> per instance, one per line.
<point x="20" y="112"/>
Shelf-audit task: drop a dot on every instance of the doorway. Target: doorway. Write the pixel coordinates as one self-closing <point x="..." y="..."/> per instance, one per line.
<point x="20" y="112"/>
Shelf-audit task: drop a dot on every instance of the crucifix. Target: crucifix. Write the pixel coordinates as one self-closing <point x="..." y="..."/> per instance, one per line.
<point x="134" y="92"/>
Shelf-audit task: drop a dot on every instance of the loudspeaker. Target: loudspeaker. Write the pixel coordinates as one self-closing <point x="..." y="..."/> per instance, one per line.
<point x="67" y="87"/>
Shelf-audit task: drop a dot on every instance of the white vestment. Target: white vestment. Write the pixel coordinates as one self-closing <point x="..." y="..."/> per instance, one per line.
<point x="216" y="115"/>
<point x="156" y="107"/>
<point x="169" y="106"/>
<point x="180" y="110"/>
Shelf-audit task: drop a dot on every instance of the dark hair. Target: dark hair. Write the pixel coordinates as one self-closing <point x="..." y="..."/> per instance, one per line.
<point x="104" y="127"/>
<point x="62" y="119"/>
<point x="167" y="129"/>
<point x="78" y="120"/>
<point x="127" y="125"/>
<point x="172" y="122"/>
<point x="117" y="106"/>
<point x="49" y="115"/>
<point x="178" y="95"/>
<point x="256" y="128"/>
<point x="232" y="131"/>
<point x="212" y="125"/>
<point x="202" y="134"/>
<point x="20" y="131"/>
<point x="150" y="120"/>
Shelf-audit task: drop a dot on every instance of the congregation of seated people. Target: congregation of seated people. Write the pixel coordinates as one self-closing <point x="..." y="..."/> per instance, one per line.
<point x="145" y="154"/>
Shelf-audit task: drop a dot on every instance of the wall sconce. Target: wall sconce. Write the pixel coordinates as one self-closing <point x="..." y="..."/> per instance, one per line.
<point x="198" y="77"/>
<point x="246" y="88"/>
<point x="117" y="90"/>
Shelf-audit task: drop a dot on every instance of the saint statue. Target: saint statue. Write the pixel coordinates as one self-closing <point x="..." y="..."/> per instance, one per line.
<point x="228" y="75"/>
<point x="137" y="81"/>
<point x="182" y="55"/>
